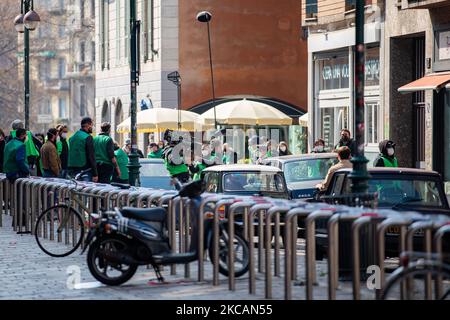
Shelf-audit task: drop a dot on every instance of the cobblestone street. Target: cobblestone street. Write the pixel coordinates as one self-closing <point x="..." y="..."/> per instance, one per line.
<point x="27" y="273"/>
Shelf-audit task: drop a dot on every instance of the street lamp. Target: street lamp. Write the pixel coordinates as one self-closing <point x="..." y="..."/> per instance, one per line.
<point x="206" y="16"/>
<point x="359" y="175"/>
<point x="28" y="20"/>
<point x="133" y="164"/>
<point x="175" y="78"/>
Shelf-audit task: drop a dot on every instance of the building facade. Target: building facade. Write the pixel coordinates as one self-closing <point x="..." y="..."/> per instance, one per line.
<point x="53" y="46"/>
<point x="331" y="39"/>
<point x="417" y="73"/>
<point x="407" y="75"/>
<point x="158" y="58"/>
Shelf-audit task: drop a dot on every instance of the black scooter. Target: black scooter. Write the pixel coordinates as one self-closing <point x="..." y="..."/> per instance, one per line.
<point x="122" y="240"/>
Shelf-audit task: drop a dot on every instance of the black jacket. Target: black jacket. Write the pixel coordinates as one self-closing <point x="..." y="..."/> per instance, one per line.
<point x="351" y="144"/>
<point x="2" y="149"/>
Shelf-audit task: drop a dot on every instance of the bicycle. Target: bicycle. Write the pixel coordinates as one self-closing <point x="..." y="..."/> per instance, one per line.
<point x="426" y="265"/>
<point x="67" y="221"/>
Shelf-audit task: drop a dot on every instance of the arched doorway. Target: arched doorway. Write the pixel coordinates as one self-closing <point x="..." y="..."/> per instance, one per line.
<point x="106" y="113"/>
<point x="118" y="118"/>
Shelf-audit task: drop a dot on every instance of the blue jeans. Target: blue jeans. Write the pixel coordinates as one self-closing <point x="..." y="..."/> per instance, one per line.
<point x="48" y="174"/>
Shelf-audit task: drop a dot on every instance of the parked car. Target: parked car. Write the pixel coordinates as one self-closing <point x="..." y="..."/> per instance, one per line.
<point x="153" y="174"/>
<point x="245" y="180"/>
<point x="401" y="189"/>
<point x="237" y="179"/>
<point x="304" y="172"/>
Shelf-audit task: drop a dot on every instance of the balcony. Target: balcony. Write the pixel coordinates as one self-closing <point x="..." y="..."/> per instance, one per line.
<point x="81" y="70"/>
<point x="57" y="84"/>
<point x="426" y="4"/>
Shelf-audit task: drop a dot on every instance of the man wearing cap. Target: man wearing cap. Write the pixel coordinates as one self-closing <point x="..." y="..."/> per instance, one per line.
<point x="387" y="157"/>
<point x="82" y="152"/>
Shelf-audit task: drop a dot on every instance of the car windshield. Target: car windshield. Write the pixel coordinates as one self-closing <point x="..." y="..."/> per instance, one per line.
<point x="308" y="169"/>
<point x="149" y="169"/>
<point x="254" y="182"/>
<point x="402" y="192"/>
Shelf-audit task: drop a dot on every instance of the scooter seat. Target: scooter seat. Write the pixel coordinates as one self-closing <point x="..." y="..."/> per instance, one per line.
<point x="145" y="214"/>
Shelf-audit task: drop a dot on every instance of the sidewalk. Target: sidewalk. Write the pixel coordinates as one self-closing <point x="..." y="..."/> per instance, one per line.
<point x="27" y="273"/>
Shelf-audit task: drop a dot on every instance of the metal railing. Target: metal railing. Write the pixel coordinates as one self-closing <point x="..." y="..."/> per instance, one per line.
<point x="270" y="218"/>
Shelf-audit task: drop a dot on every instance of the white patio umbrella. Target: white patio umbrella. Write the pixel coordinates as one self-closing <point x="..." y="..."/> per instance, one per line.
<point x="303" y="120"/>
<point x="159" y="119"/>
<point x="246" y="112"/>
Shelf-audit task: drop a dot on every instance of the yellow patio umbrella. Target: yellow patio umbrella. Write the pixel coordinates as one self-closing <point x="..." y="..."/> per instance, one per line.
<point x="159" y="119"/>
<point x="246" y="112"/>
<point x="303" y="120"/>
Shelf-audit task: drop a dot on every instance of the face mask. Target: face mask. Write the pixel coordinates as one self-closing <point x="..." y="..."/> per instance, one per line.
<point x="319" y="148"/>
<point x="283" y="149"/>
<point x="390" y="151"/>
<point x="90" y="130"/>
<point x="205" y="153"/>
<point x="345" y="138"/>
<point x="64" y="135"/>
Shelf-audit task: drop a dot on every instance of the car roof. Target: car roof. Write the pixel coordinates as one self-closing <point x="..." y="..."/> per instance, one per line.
<point x="150" y="160"/>
<point x="241" y="167"/>
<point x="399" y="170"/>
<point x="306" y="156"/>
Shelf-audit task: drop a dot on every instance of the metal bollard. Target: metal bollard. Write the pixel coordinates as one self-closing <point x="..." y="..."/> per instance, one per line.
<point x="171" y="224"/>
<point x="257" y="208"/>
<point x="438" y="236"/>
<point x="231" y="218"/>
<point x="274" y="211"/>
<point x="381" y="230"/>
<point x="201" y="227"/>
<point x="216" y="240"/>
<point x="427" y="226"/>
<point x="310" y="225"/>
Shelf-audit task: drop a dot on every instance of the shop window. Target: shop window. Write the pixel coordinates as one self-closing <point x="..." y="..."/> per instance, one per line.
<point x="371" y="120"/>
<point x="334" y="73"/>
<point x="333" y="121"/>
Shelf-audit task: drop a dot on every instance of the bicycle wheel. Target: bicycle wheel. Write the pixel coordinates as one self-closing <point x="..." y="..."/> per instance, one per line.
<point x="417" y="273"/>
<point x="59" y="231"/>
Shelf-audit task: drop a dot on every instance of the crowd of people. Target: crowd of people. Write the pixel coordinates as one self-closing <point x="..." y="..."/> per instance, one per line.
<point x="55" y="155"/>
<point x="23" y="153"/>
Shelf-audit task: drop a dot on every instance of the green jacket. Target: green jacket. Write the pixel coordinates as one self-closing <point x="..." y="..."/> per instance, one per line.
<point x="77" y="152"/>
<point x="30" y="147"/>
<point x="388" y="163"/>
<point x="197" y="175"/>
<point x="173" y="168"/>
<point x="122" y="162"/>
<point x="10" y="163"/>
<point x="155" y="155"/>
<point x="101" y="151"/>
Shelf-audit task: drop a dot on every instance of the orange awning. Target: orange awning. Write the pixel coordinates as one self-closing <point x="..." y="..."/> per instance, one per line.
<point x="429" y="82"/>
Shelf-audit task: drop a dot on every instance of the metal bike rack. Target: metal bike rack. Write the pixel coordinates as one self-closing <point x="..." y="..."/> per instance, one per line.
<point x="427" y="226"/>
<point x="274" y="211"/>
<point x="402" y="221"/>
<point x="437" y="240"/>
<point x="231" y="218"/>
<point x="257" y="208"/>
<point x="142" y="198"/>
<point x="216" y="241"/>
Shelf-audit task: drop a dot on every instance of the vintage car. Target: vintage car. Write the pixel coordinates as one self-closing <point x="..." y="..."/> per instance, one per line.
<point x="401" y="189"/>
<point x="251" y="180"/>
<point x="304" y="172"/>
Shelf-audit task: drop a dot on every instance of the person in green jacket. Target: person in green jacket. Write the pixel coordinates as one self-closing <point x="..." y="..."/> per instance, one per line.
<point x="14" y="160"/>
<point x="155" y="152"/>
<point x="104" y="155"/>
<point x="32" y="145"/>
<point x="82" y="153"/>
<point x="387" y="157"/>
<point x="122" y="162"/>
<point x="174" y="158"/>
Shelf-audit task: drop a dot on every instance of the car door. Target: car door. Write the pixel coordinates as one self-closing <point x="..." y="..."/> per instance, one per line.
<point x="338" y="184"/>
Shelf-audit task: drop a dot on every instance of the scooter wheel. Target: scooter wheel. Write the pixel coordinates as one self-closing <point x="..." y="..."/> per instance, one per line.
<point x="241" y="254"/>
<point x="105" y="269"/>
